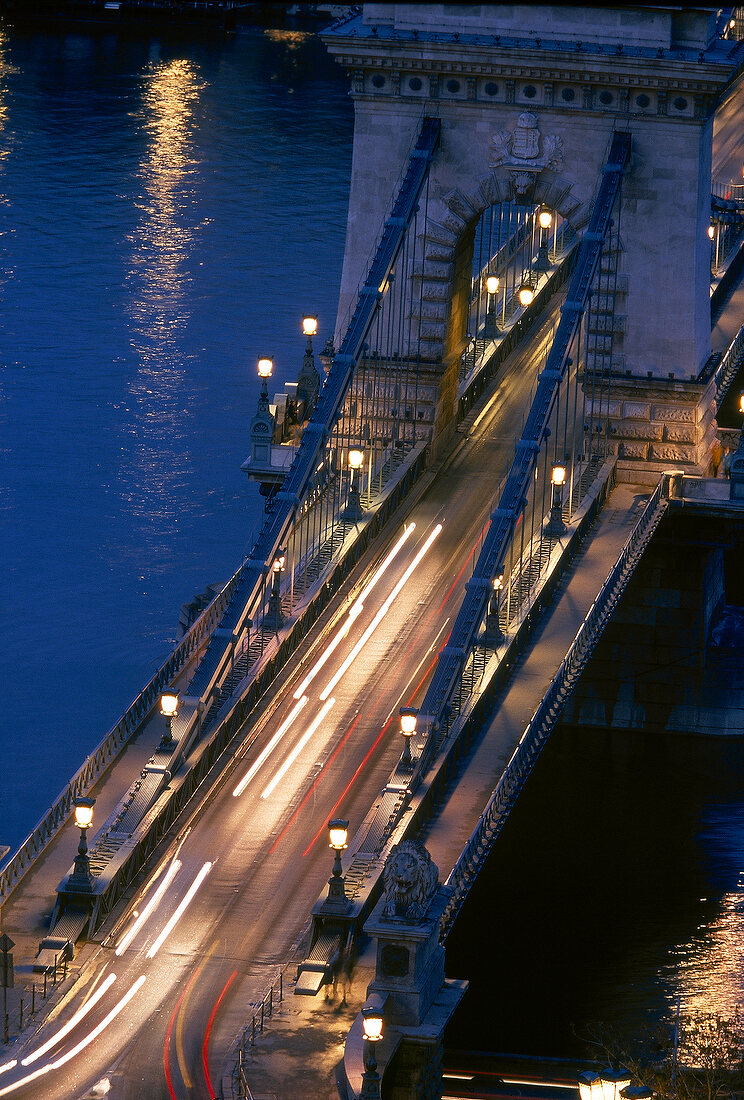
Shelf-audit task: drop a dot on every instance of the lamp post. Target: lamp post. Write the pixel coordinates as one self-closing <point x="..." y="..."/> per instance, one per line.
<point x="81" y="877"/>
<point x="555" y="525"/>
<point x="545" y="218"/>
<point x="735" y="463"/>
<point x="169" y="709"/>
<point x="275" y="600"/>
<point x="308" y="384"/>
<point x="408" y="717"/>
<point x="526" y="292"/>
<point x="613" y="1080"/>
<point x="354" y="510"/>
<point x="372" y="1031"/>
<point x="493" y="633"/>
<point x="491" y="328"/>
<point x="265" y="370"/>
<point x="337" y="901"/>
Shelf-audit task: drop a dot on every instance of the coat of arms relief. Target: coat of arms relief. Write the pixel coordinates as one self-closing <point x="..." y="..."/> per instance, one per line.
<point x="524" y="152"/>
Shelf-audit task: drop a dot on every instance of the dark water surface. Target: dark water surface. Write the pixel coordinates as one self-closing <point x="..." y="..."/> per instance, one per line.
<point x="616" y="886"/>
<point x="168" y="211"/>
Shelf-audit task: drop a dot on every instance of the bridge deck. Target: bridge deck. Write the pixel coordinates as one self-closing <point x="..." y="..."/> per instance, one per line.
<point x="528" y="685"/>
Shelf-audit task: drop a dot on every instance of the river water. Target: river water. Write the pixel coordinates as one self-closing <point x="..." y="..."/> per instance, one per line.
<point x="169" y="208"/>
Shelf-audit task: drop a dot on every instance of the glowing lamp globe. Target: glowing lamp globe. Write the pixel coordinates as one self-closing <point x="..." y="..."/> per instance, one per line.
<point x="84" y="812"/>
<point x="558" y="476"/>
<point x="169" y="704"/>
<point x="356" y="458"/>
<point x="265" y="368"/>
<point x="526" y="294"/>
<point x="545" y="218"/>
<point x="309" y="326"/>
<point x="372" y="1023"/>
<point x="338" y="831"/>
<point x="492" y="284"/>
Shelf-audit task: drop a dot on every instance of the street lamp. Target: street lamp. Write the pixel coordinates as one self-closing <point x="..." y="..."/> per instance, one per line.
<point x="338" y="831"/>
<point x="408" y="717"/>
<point x="309" y="329"/>
<point x="169" y="709"/>
<point x="275" y="600"/>
<point x="545" y="218"/>
<point x="493" y="634"/>
<point x="555" y="525"/>
<point x="613" y="1080"/>
<point x="81" y="877"/>
<point x="491" y="328"/>
<point x="526" y="290"/>
<point x="372" y="1031"/>
<point x="354" y="510"/>
<point x="590" y="1086"/>
<point x="265" y="370"/>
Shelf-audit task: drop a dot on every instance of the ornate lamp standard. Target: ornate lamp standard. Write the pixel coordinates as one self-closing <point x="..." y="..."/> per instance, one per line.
<point x="354" y="510"/>
<point x="275" y="616"/>
<point x="169" y="709"/>
<point x="545" y="219"/>
<point x="493" y="633"/>
<point x="372" y="1031"/>
<point x="491" y="328"/>
<point x="526" y="292"/>
<point x="81" y="877"/>
<point x="265" y="370"/>
<point x="555" y="525"/>
<point x="338" y="831"/>
<point x="408" y="717"/>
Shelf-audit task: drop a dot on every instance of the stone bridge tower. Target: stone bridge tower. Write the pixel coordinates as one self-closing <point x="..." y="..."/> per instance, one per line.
<point x="528" y="97"/>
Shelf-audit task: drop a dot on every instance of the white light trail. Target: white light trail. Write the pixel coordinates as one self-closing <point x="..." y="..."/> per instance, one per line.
<point x="298" y="747"/>
<point x="147" y="912"/>
<point x="270" y="747"/>
<point x="355" y="610"/>
<point x="181" y="909"/>
<point x="73" y="1022"/>
<point x="24" y="1080"/>
<point x="122" y="1004"/>
<point x="379" y="616"/>
<point x="9" y="1065"/>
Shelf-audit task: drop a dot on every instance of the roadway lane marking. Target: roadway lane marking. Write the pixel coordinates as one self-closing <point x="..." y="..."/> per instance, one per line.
<point x="298" y="748"/>
<point x="185" y="902"/>
<point x="346" y="664"/>
<point x="355" y="611"/>
<point x="205" y="1046"/>
<point x="270" y="747"/>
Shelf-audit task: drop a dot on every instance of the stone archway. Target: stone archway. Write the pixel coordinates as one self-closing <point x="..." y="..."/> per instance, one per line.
<point x="453" y="214"/>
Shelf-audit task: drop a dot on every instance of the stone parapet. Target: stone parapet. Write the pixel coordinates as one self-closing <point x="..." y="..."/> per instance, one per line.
<point x="654" y="424"/>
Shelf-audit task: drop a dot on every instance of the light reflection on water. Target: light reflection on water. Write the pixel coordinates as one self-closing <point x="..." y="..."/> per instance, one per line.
<point x="157" y="461"/>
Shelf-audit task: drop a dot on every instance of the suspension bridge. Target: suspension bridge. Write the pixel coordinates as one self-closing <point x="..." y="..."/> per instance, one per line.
<point x="484" y="397"/>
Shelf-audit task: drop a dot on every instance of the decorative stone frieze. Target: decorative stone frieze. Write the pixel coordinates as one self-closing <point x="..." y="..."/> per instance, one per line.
<point x="678" y="433"/>
<point x="632" y="410"/>
<point x="631" y="429"/>
<point x="676" y="414"/>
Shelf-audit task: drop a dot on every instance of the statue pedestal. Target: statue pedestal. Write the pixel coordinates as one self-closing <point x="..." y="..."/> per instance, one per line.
<point x="409" y="983"/>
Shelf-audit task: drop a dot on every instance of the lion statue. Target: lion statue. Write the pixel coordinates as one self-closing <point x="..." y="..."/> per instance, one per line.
<point x="410" y="880"/>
